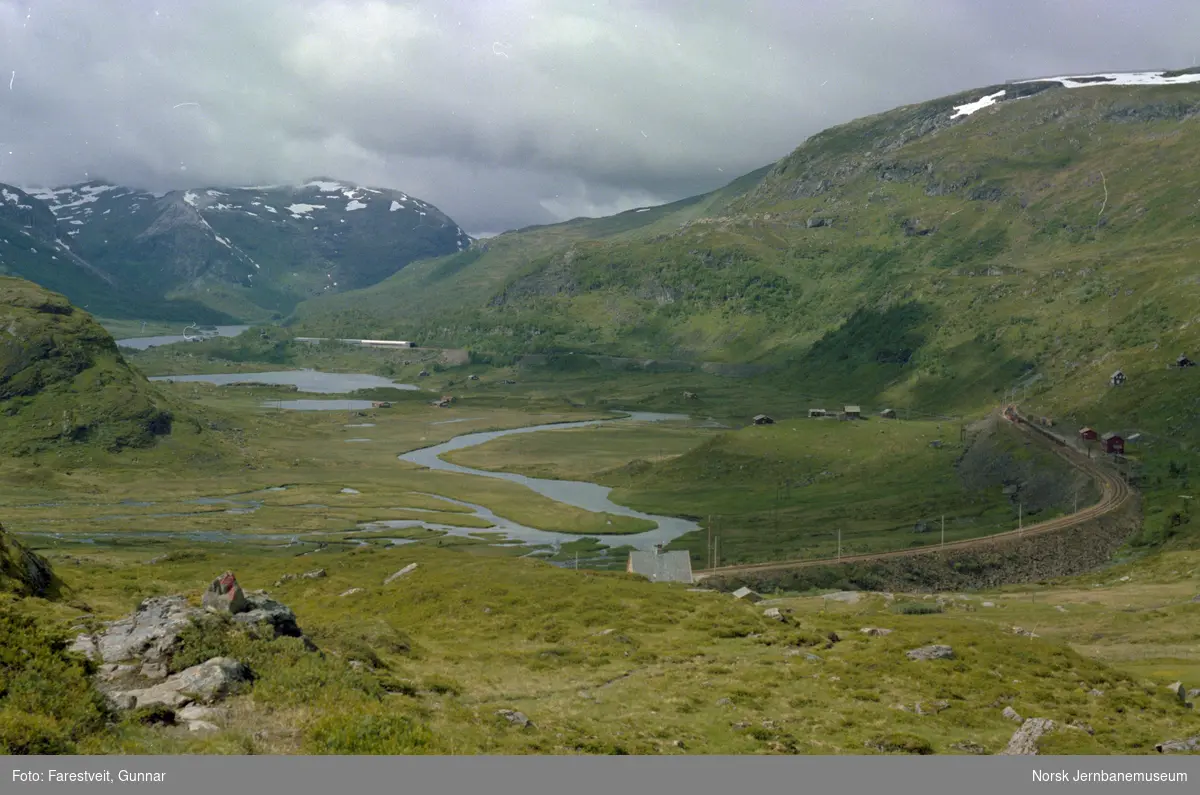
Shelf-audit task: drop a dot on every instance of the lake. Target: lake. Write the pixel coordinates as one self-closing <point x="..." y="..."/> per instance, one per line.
<point x="304" y="380"/>
<point x="142" y="343"/>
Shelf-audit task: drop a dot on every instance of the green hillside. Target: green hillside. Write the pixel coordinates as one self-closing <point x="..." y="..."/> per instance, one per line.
<point x="64" y="385"/>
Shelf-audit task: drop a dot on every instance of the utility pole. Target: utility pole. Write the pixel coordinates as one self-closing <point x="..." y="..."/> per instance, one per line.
<point x="709" y="549"/>
<point x="1020" y="517"/>
<point x="576" y="561"/>
<point x="943" y="529"/>
<point x="839" y="545"/>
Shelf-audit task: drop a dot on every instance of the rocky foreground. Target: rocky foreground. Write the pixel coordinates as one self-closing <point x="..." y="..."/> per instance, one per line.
<point x="138" y="654"/>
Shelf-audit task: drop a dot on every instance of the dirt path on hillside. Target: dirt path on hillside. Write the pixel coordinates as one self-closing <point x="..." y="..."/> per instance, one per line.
<point x="1114" y="493"/>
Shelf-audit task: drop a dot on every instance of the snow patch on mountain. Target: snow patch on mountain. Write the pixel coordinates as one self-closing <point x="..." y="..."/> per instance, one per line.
<point x="395" y="206"/>
<point x="1118" y="79"/>
<point x="355" y="204"/>
<point x="298" y="210"/>
<point x="979" y="104"/>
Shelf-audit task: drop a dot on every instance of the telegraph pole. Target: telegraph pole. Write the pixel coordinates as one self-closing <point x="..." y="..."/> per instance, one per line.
<point x="943" y="529"/>
<point x="1020" y="516"/>
<point x="839" y="545"/>
<point x="709" y="549"/>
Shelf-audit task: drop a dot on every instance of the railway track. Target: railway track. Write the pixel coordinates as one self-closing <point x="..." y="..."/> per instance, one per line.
<point x="1115" y="493"/>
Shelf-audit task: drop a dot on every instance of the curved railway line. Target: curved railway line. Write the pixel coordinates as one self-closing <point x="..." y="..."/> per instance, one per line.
<point x="1115" y="493"/>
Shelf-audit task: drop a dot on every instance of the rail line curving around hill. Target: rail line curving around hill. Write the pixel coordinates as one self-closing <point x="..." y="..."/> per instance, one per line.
<point x="1115" y="493"/>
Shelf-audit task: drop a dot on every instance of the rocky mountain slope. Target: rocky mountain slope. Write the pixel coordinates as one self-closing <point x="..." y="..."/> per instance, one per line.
<point x="213" y="255"/>
<point x="63" y="382"/>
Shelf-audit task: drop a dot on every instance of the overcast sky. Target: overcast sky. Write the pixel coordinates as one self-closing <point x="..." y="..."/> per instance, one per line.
<point x="505" y="113"/>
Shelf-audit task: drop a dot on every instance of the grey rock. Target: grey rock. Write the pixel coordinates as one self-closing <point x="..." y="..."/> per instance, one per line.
<point x="122" y="701"/>
<point x="814" y="223"/>
<point x="206" y="683"/>
<point x="268" y="618"/>
<point x="1024" y="632"/>
<point x="202" y="726"/>
<point x="1025" y="739"/>
<point x="774" y="613"/>
<point x="351" y="592"/>
<point x="1011" y="714"/>
<point x="724" y="702"/>
<point x="1095" y="692"/>
<point x="875" y="632"/>
<point x="316" y="574"/>
<point x="402" y="572"/>
<point x="849" y="597"/>
<point x="149" y="633"/>
<point x="224" y="595"/>
<point x="156" y="670"/>
<point x="515" y="718"/>
<point x="1193" y="693"/>
<point x="936" y="652"/>
<point x="988" y="604"/>
<point x="1189" y="746"/>
<point x="1178" y="690"/>
<point x="194" y="712"/>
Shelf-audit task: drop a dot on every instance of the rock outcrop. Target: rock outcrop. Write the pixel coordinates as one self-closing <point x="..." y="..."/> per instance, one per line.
<point x="1024" y="741"/>
<point x="135" y="653"/>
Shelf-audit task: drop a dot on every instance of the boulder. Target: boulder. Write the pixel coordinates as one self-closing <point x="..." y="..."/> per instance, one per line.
<point x="875" y="632"/>
<point x="149" y="633"/>
<point x="224" y="595"/>
<point x="267" y="618"/>
<point x="1178" y="690"/>
<point x="1011" y="714"/>
<point x="1189" y="746"/>
<point x="351" y="592"/>
<point x="1025" y="739"/>
<point x="774" y="613"/>
<point x="935" y="652"/>
<point x="205" y="683"/>
<point x="397" y="575"/>
<point x="515" y="718"/>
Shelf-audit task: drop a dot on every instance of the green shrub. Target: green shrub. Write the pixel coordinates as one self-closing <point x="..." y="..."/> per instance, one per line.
<point x="47" y="701"/>
<point x="900" y="743"/>
<point x="374" y="733"/>
<point x="916" y="608"/>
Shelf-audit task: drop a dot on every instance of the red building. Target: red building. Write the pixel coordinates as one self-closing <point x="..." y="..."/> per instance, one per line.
<point x="1088" y="435"/>
<point x="1113" y="443"/>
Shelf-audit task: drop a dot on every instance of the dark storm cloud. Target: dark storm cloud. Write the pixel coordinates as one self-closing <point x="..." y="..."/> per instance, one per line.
<point x="510" y="112"/>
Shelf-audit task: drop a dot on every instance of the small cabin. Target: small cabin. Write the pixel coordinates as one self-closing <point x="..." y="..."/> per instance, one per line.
<point x="380" y="404"/>
<point x="763" y="419"/>
<point x="852" y="412"/>
<point x="816" y="412"/>
<point x="1114" y="444"/>
<point x="1088" y="434"/>
<point x="1117" y="378"/>
<point x="888" y="414"/>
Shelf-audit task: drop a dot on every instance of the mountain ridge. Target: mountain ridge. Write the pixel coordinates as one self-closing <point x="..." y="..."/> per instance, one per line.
<point x="224" y="254"/>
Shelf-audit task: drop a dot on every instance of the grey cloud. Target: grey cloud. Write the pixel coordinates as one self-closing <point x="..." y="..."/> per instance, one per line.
<point x="510" y="113"/>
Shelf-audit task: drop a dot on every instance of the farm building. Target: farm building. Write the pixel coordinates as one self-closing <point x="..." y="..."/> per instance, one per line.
<point x="381" y="404"/>
<point x="816" y="412"/>
<point x="1117" y="378"/>
<point x="1088" y="434"/>
<point x="1113" y="443"/>
<point x="888" y="414"/>
<point x="659" y="566"/>
<point x="852" y="412"/>
<point x="763" y="419"/>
